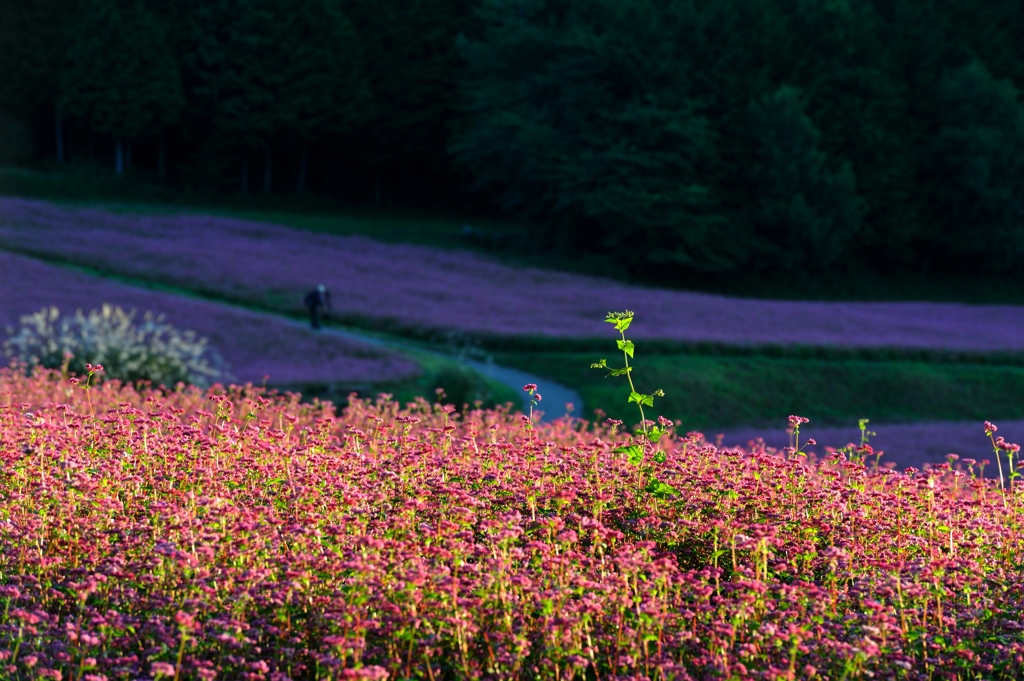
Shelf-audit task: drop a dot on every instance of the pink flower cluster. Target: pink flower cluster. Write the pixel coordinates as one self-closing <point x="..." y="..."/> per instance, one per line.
<point x="429" y="288"/>
<point x="235" y="534"/>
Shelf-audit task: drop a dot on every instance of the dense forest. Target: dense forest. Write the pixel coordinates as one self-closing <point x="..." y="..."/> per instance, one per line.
<point x="676" y="136"/>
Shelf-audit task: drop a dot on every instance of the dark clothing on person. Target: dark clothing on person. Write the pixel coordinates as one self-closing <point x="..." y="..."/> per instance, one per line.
<point x="314" y="300"/>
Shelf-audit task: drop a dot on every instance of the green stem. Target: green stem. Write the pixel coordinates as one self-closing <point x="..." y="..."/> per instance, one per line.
<point x="181" y="654"/>
<point x="632" y="388"/>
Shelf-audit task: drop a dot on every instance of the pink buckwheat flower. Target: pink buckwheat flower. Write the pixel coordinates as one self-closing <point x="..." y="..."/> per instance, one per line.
<point x="162" y="669"/>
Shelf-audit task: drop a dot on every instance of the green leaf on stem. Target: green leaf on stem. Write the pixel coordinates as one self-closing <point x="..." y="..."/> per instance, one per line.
<point x="626" y="346"/>
<point x="641" y="399"/>
<point x="621" y="320"/>
<point x="659" y="489"/>
<point x="634" y="452"/>
<point x="656" y="433"/>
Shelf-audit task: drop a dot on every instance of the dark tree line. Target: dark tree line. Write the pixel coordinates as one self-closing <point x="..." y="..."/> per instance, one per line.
<point x="675" y="136"/>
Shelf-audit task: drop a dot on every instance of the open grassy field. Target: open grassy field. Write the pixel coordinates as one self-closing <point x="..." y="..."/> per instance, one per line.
<point x="704" y="391"/>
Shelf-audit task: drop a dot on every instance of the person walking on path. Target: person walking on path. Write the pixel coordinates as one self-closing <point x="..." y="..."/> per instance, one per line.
<point x="318" y="298"/>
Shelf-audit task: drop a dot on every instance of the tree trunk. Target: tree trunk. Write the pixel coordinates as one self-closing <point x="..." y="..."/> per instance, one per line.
<point x="266" y="170"/>
<point x="302" y="168"/>
<point x="59" y="132"/>
<point x="161" y="157"/>
<point x="376" y="185"/>
<point x="245" y="172"/>
<point x="119" y="157"/>
<point x="405" y="183"/>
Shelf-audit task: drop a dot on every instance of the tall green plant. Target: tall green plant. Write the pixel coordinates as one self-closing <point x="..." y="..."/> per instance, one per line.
<point x="650" y="433"/>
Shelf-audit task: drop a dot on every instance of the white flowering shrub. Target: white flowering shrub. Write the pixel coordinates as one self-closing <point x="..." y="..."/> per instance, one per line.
<point x="147" y="350"/>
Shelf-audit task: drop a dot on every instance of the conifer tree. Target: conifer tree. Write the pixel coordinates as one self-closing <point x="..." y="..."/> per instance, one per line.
<point x="581" y="114"/>
<point x="977" y="162"/>
<point x="323" y="88"/>
<point x="33" y="42"/>
<point x="839" y="55"/>
<point x="806" y="209"/>
<point x="412" y="69"/>
<point x="231" y="59"/>
<point x="121" y="78"/>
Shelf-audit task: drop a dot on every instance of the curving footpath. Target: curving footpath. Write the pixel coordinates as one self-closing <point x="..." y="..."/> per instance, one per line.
<point x="558" y="400"/>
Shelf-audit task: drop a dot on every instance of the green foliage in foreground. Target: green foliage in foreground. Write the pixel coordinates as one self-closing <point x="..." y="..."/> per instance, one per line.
<point x="728" y="391"/>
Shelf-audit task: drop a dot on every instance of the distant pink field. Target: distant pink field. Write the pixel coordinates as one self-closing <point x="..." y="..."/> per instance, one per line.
<point x="905" y="444"/>
<point x="433" y="288"/>
<point x="254" y="345"/>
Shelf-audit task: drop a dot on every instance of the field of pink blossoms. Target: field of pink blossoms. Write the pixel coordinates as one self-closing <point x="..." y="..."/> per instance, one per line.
<point x="248" y="536"/>
<point x="253" y="345"/>
<point x="417" y="286"/>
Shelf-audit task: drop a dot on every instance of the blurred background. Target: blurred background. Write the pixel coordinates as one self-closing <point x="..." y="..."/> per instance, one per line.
<point x="829" y="150"/>
<point x="657" y="140"/>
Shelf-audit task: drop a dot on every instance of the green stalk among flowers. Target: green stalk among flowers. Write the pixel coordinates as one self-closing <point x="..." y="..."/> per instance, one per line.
<point x="649" y="433"/>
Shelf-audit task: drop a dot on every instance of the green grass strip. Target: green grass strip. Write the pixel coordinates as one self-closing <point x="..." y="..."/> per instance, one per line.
<point x="709" y="392"/>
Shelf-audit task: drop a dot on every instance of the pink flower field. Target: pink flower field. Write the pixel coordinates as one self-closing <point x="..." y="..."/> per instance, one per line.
<point x="242" y="536"/>
<point x="254" y="345"/>
<point x="417" y="286"/>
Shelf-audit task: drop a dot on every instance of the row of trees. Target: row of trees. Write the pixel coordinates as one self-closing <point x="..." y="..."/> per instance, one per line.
<point x="756" y="134"/>
<point x="672" y="135"/>
<point x="219" y="86"/>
